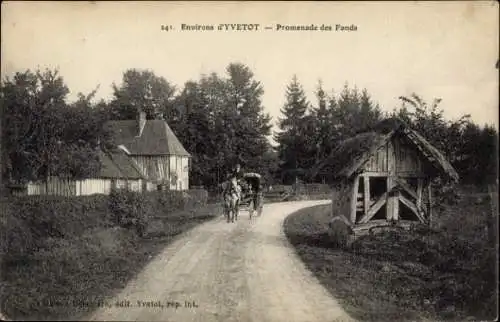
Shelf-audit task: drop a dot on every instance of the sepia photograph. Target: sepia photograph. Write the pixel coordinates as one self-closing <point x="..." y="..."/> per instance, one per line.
<point x="248" y="161"/>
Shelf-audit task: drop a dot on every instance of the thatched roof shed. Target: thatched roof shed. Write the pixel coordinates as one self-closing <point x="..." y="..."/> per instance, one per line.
<point x="384" y="175"/>
<point x="352" y="153"/>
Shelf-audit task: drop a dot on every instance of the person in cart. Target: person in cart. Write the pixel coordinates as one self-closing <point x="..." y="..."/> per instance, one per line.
<point x="255" y="190"/>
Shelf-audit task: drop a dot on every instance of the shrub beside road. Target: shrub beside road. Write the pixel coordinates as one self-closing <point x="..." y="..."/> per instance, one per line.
<point x="62" y="256"/>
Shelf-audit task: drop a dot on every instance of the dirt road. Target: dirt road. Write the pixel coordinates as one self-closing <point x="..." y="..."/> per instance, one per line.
<point x="244" y="271"/>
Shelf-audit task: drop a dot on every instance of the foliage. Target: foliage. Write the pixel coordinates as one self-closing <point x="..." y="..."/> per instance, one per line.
<point x="129" y="209"/>
<point x="16" y="238"/>
<point x="88" y="260"/>
<point x="354" y="112"/>
<point x="28" y="221"/>
<point x="471" y="149"/>
<point x="295" y="133"/>
<point x="222" y="122"/>
<point x="145" y="90"/>
<point x="42" y="134"/>
<point x="135" y="210"/>
<point x="219" y="120"/>
<point x="321" y="119"/>
<point x="309" y="134"/>
<point x="196" y="198"/>
<point x="445" y="273"/>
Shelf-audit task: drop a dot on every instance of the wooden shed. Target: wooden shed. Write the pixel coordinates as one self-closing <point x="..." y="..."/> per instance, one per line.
<point x="383" y="177"/>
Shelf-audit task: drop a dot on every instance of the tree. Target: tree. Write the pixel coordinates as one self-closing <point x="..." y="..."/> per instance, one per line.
<point x="43" y="136"/>
<point x="321" y="118"/>
<point x="368" y="113"/>
<point x="143" y="89"/>
<point x="352" y="113"/>
<point x="246" y="111"/>
<point x="292" y="149"/>
<point x="470" y="148"/>
<point x="33" y="114"/>
<point x="222" y="122"/>
<point x="348" y="113"/>
<point x="222" y="126"/>
<point x="196" y="129"/>
<point x="428" y="120"/>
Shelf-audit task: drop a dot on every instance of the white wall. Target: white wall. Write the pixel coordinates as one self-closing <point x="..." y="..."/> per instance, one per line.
<point x="180" y="166"/>
<point x="91" y="186"/>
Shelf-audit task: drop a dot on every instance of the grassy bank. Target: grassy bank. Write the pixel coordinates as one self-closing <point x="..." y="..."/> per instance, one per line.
<point x="448" y="273"/>
<point x="57" y="264"/>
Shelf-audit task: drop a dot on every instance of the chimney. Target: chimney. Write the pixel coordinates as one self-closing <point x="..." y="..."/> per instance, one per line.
<point x="141" y="121"/>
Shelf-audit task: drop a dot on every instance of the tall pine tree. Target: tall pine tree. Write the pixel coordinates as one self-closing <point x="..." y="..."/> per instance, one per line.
<point x="292" y="149"/>
<point x="222" y="123"/>
<point x="252" y="125"/>
<point x="322" y="119"/>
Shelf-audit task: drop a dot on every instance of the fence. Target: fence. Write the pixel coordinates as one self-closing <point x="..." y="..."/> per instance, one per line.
<point x="312" y="188"/>
<point x="68" y="188"/>
<point x="53" y="186"/>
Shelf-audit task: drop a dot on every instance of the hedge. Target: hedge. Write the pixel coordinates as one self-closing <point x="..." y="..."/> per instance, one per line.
<point x="29" y="222"/>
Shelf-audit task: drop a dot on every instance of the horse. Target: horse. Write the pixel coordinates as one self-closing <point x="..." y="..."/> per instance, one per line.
<point x="231" y="195"/>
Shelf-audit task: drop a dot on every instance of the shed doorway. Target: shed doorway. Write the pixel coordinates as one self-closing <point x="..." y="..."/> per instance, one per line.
<point x="374" y="191"/>
<point x="374" y="202"/>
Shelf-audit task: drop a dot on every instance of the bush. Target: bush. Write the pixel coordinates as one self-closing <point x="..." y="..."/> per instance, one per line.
<point x="16" y="238"/>
<point x="73" y="248"/>
<point x="136" y="210"/>
<point x="339" y="233"/>
<point x="198" y="196"/>
<point x="58" y="216"/>
<point x="30" y="220"/>
<point x="129" y="209"/>
<point x="27" y="222"/>
<point x="170" y="200"/>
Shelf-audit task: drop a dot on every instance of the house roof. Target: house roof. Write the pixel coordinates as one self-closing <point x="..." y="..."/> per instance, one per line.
<point x="157" y="138"/>
<point x="352" y="153"/>
<point x="118" y="165"/>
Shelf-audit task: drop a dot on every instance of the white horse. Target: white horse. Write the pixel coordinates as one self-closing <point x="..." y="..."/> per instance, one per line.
<point x="231" y="195"/>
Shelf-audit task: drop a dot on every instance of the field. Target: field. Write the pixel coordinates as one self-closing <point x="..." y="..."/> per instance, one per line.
<point x="447" y="273"/>
<point x="60" y="277"/>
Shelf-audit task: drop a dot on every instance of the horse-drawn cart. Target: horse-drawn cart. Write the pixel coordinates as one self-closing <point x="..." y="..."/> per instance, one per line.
<point x="252" y="198"/>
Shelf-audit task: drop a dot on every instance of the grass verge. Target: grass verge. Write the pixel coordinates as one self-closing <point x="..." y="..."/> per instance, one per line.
<point x="69" y="276"/>
<point x="445" y="274"/>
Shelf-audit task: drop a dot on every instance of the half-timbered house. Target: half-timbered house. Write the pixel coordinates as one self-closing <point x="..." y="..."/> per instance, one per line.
<point x="153" y="146"/>
<point x="383" y="177"/>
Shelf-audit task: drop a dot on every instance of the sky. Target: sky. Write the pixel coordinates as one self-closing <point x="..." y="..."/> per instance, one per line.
<point x="444" y="50"/>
